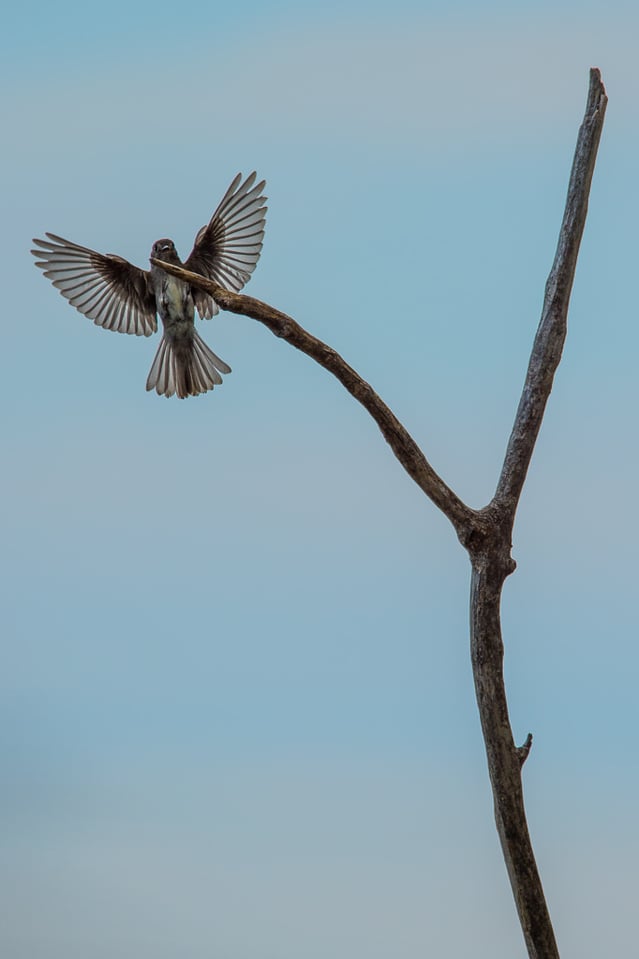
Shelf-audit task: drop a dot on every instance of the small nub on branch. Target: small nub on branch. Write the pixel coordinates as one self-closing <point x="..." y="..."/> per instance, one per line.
<point x="522" y="751"/>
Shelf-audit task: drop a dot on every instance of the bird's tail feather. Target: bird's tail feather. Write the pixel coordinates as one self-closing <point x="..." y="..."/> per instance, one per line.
<point x="185" y="367"/>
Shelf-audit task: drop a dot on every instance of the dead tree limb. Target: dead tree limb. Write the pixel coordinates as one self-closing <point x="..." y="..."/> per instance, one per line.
<point x="492" y="561"/>
<point x="485" y="533"/>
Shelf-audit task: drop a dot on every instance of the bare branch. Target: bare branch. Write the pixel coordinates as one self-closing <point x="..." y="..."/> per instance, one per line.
<point x="486" y="533"/>
<point x="505" y="760"/>
<point x="551" y="333"/>
<point x="463" y="518"/>
<point x="492" y="561"/>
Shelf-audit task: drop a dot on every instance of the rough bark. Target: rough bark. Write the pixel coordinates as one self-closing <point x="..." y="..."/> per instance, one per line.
<point x="492" y="562"/>
<point x="485" y="533"/>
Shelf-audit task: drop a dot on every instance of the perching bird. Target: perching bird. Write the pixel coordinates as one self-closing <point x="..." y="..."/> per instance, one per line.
<point x="119" y="296"/>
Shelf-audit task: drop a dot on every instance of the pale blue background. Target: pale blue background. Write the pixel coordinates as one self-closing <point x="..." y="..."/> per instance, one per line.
<point x="237" y="709"/>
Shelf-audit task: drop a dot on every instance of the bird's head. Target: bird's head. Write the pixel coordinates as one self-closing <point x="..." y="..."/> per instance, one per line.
<point x="165" y="250"/>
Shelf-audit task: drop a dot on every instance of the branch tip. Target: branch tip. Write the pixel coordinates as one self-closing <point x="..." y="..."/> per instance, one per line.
<point x="551" y="333"/>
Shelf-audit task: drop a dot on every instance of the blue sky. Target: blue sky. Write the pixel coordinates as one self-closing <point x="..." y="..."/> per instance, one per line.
<point x="237" y="707"/>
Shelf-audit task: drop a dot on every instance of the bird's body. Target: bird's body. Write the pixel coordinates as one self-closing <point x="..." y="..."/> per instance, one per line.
<point x="183" y="361"/>
<point x="173" y="297"/>
<point x="119" y="296"/>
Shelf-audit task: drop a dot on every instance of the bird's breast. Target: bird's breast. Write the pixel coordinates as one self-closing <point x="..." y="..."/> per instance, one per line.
<point x="175" y="302"/>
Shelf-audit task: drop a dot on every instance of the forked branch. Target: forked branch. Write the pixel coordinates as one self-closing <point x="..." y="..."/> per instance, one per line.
<point x="485" y="533"/>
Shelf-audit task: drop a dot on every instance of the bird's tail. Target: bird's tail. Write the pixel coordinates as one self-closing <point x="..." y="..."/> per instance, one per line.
<point x="186" y="367"/>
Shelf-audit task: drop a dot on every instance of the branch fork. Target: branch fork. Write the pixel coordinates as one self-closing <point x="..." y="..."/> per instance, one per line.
<point x="486" y="533"/>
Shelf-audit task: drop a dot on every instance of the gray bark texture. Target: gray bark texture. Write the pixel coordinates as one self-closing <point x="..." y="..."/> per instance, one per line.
<point x="485" y="533"/>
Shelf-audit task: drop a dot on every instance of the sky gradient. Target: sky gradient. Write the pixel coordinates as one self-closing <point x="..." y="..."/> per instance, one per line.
<point x="237" y="707"/>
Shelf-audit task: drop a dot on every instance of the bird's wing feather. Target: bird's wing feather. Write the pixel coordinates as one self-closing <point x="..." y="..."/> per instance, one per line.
<point x="228" y="247"/>
<point x="104" y="287"/>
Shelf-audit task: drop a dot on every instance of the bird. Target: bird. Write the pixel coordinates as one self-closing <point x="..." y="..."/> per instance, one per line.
<point x="119" y="296"/>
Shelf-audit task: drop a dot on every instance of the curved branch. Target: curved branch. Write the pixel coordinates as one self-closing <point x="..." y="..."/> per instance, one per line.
<point x="464" y="519"/>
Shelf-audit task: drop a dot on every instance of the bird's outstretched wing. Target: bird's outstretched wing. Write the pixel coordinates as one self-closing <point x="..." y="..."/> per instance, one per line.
<point x="105" y="287"/>
<point x="227" y="249"/>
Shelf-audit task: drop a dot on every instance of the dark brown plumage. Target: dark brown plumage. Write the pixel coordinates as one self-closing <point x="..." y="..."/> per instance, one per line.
<point x="119" y="296"/>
